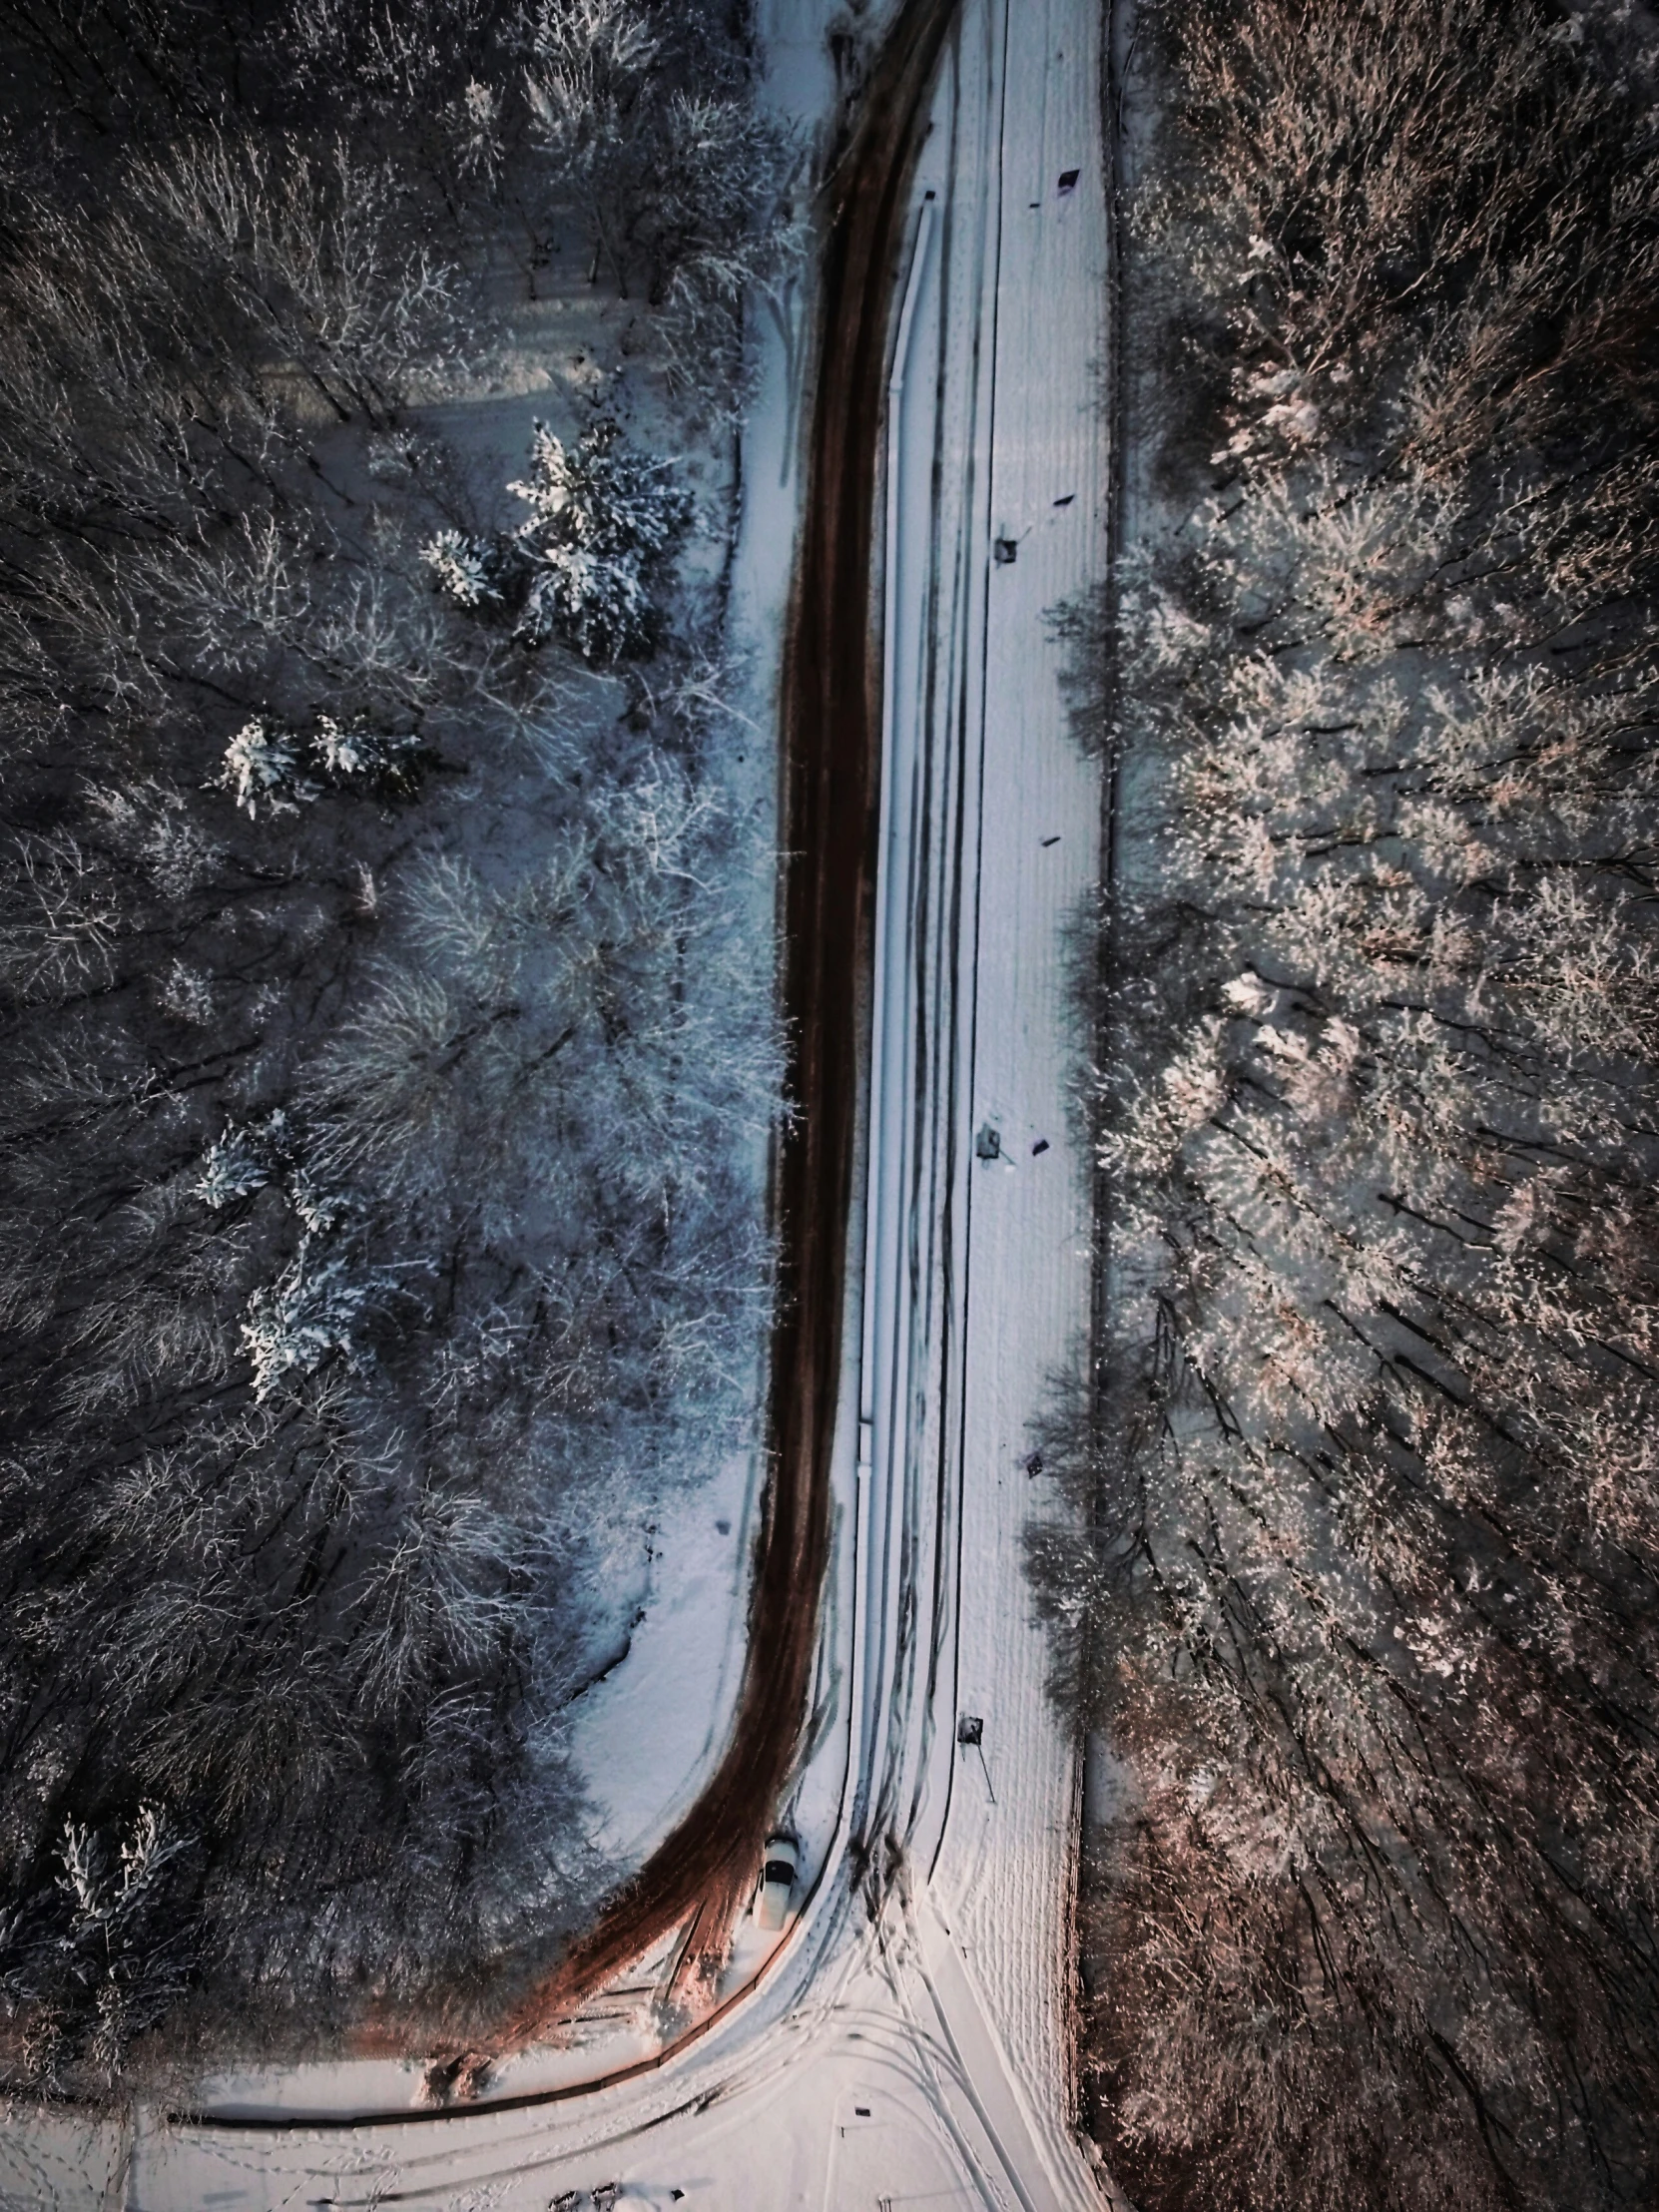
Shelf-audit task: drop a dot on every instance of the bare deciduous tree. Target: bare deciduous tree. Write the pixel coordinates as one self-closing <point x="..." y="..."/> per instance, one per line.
<point x="386" y="1067"/>
<point x="1367" y="1606"/>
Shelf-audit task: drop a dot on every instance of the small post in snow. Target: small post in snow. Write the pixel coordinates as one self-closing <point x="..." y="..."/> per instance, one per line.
<point x="970" y="1732"/>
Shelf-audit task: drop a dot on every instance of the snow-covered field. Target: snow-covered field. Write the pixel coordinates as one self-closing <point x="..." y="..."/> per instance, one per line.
<point x="908" y="2041"/>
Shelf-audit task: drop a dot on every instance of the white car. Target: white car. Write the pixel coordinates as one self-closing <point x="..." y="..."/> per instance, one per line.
<point x="779" y="1866"/>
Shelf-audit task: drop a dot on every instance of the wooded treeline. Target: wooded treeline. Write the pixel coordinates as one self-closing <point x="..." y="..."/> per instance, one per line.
<point x="385" y="1049"/>
<point x="1366" y="1613"/>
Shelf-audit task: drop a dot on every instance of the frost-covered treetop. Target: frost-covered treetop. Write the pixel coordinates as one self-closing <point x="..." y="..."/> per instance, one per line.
<point x="599" y="494"/>
<point x="267" y="766"/>
<point x="578" y="568"/>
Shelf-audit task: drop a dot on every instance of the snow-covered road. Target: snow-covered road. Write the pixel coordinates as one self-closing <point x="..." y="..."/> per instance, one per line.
<point x="977" y="1267"/>
<point x="909" y="2043"/>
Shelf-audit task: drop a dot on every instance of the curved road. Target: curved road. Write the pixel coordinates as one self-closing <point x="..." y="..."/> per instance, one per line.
<point x="831" y="707"/>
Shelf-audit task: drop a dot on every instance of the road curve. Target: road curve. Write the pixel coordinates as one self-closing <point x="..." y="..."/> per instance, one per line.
<point x="830" y="726"/>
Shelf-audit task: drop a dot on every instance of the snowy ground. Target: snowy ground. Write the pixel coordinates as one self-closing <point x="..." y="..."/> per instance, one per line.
<point x="907" y="2042"/>
<point x="648" y="1735"/>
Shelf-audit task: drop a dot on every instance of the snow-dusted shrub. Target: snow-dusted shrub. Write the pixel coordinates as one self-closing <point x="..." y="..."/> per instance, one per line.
<point x="152" y="822"/>
<point x="472" y="572"/>
<point x="355" y="754"/>
<point x="233" y="1167"/>
<point x="187" y="994"/>
<point x="315" y="1311"/>
<point x="320" y="1206"/>
<point x="264" y="766"/>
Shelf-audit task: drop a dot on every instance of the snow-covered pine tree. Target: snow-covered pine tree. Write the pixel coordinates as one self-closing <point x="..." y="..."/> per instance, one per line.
<point x="268" y="766"/>
<point x="578" y="569"/>
<point x="264" y="766"/>
<point x="315" y="1311"/>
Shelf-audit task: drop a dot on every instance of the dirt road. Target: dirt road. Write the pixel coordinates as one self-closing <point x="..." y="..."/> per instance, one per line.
<point x="830" y="721"/>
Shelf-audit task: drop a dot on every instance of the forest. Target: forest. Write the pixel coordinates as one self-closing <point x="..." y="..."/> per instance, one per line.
<point x="1363" y="1615"/>
<point x="387" y="1046"/>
